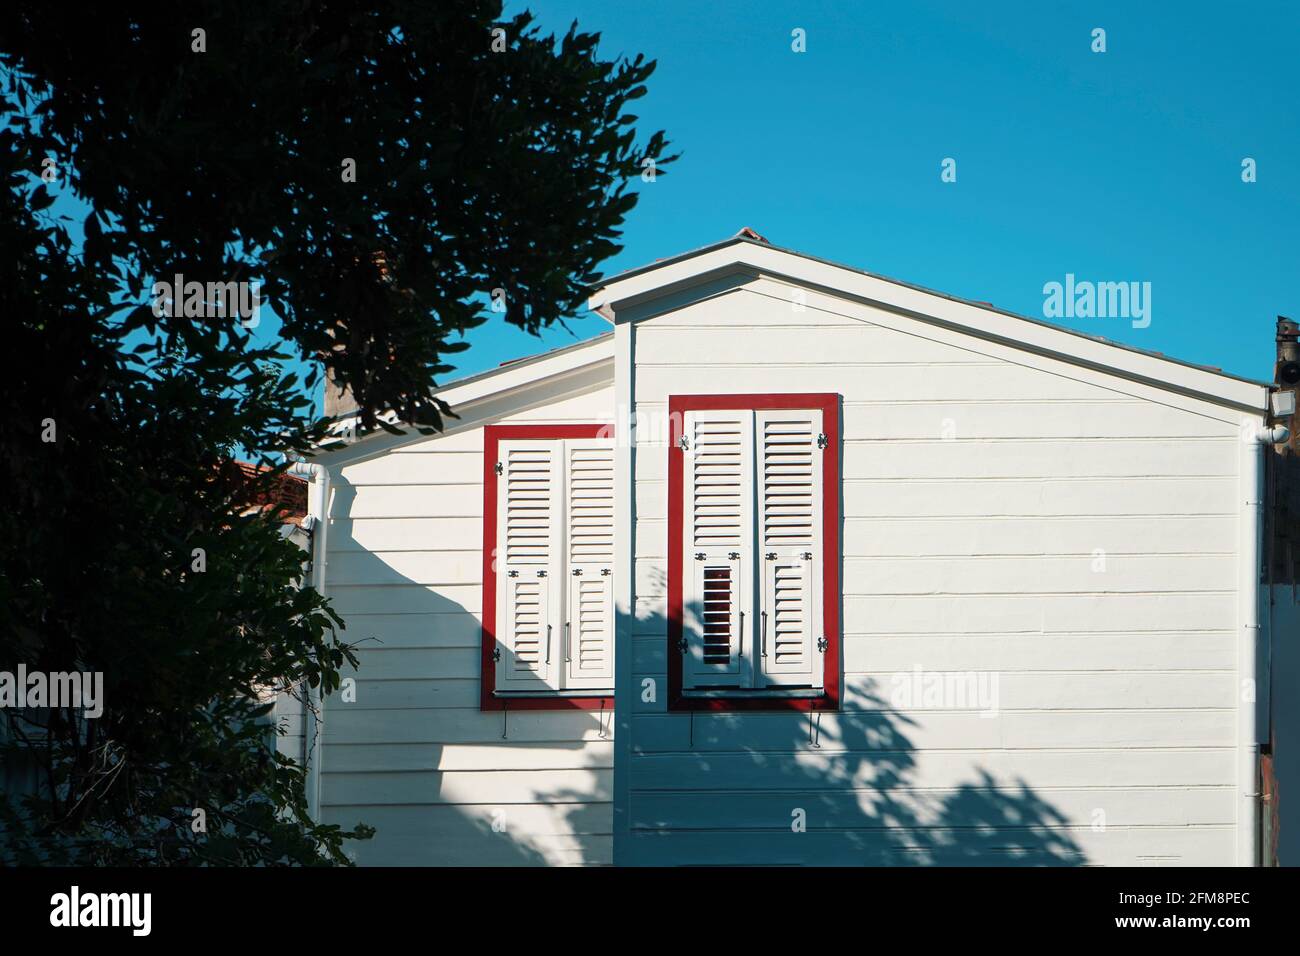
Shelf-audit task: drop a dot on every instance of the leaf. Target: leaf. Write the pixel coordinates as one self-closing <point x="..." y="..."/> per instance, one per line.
<point x="41" y="198"/>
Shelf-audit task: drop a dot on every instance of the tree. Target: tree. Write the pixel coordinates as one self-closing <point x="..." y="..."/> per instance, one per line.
<point x="384" y="170"/>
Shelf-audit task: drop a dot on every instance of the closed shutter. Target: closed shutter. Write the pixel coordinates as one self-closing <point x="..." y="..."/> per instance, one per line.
<point x="790" y="521"/>
<point x="589" y="624"/>
<point x="528" y="563"/>
<point x="719" y="533"/>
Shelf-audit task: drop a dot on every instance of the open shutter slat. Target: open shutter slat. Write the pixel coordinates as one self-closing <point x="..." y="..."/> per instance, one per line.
<point x="528" y="562"/>
<point x="589" y="513"/>
<point x="790" y="518"/>
<point x="718" y="513"/>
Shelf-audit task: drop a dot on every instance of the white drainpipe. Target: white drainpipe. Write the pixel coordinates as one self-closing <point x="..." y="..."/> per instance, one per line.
<point x="1254" y="441"/>
<point x="318" y="502"/>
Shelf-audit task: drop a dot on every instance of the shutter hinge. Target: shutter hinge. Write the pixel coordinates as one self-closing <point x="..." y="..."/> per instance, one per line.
<point x="807" y="555"/>
<point x="513" y="574"/>
<point x="699" y="555"/>
<point x="604" y="572"/>
<point x="541" y="574"/>
<point x="499" y="468"/>
<point x="684" y="442"/>
<point x="771" y="555"/>
<point x="822" y="644"/>
<point x="822" y="440"/>
<point x="496" y="654"/>
<point x="734" y="555"/>
<point x="681" y="645"/>
<point x="577" y="572"/>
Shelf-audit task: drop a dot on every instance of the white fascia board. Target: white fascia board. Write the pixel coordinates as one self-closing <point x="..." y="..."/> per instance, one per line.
<point x="746" y="256"/>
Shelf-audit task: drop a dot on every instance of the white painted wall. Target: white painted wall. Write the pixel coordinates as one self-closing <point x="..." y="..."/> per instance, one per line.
<point x="981" y="483"/>
<point x="414" y="756"/>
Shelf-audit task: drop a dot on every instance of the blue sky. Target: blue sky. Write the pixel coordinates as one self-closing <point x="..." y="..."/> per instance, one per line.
<point x="1115" y="166"/>
<point x="1122" y="166"/>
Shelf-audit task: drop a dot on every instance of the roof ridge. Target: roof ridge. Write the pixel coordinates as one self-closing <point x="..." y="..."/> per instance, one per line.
<point x="974" y="303"/>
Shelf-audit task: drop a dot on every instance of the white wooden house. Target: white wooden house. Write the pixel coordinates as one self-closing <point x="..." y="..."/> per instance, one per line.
<point x="801" y="565"/>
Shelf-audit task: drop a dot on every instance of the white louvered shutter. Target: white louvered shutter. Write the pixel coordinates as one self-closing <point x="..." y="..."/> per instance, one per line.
<point x="589" y="512"/>
<point x="791" y="549"/>
<point x="529" y="562"/>
<point x="718" y="536"/>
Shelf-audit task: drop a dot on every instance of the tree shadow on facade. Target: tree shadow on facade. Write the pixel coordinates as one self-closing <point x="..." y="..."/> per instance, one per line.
<point x="446" y="784"/>
<point x="847" y="788"/>
<point x="442" y="782"/>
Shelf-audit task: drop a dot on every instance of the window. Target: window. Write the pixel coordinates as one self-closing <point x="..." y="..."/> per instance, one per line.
<point x="753" y="542"/>
<point x="548" y="565"/>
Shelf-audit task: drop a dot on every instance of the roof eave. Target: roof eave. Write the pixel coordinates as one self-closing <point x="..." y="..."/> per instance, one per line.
<point x="635" y="287"/>
<point x="491" y="385"/>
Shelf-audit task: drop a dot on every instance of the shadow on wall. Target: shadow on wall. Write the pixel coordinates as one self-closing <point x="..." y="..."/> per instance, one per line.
<point x="735" y="788"/>
<point x="412" y="755"/>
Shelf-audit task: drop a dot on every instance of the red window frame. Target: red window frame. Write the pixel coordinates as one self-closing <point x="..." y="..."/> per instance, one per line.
<point x="829" y="405"/>
<point x="488" y="700"/>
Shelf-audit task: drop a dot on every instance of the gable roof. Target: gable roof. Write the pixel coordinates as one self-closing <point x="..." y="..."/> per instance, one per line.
<point x="745" y="255"/>
<point x="584" y="364"/>
<point x="558" y="360"/>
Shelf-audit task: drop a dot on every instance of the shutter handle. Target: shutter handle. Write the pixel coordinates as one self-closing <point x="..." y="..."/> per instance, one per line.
<point x="548" y="643"/>
<point x="741" y="640"/>
<point x="764" y="616"/>
<point x="568" y="643"/>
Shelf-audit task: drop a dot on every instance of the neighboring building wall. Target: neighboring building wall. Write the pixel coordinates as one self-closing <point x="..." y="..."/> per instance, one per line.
<point x="414" y="756"/>
<point x="1284" y="631"/>
<point x="1282" y="553"/>
<point x="1072" y="533"/>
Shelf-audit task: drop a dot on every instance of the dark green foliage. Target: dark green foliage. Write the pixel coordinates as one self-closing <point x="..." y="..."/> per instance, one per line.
<point x="475" y="170"/>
